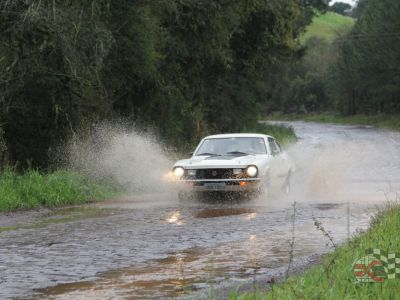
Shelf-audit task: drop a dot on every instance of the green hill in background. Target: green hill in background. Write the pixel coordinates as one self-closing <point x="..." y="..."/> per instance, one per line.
<point x="328" y="26"/>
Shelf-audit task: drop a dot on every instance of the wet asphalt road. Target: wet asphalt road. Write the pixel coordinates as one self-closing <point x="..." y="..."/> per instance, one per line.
<point x="153" y="246"/>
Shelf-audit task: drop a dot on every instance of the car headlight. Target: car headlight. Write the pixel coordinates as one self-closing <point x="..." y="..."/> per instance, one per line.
<point x="179" y="171"/>
<point x="252" y="171"/>
<point x="192" y="172"/>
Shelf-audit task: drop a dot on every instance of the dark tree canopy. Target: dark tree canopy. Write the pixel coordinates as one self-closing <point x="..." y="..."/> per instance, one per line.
<point x="184" y="67"/>
<point x="341" y="8"/>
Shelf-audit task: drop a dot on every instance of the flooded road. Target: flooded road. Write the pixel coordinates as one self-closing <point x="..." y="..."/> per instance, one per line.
<point x="153" y="246"/>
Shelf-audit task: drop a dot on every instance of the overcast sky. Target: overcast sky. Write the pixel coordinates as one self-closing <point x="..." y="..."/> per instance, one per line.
<point x="352" y="2"/>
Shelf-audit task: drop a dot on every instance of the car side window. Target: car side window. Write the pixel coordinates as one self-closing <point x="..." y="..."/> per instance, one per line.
<point x="275" y="149"/>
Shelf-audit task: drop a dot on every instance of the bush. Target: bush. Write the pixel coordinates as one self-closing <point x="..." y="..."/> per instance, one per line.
<point x="34" y="189"/>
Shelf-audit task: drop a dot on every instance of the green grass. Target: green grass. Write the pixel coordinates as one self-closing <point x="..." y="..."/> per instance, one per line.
<point x="380" y="120"/>
<point x="327" y="26"/>
<point x="284" y="134"/>
<point x="334" y="279"/>
<point x="34" y="189"/>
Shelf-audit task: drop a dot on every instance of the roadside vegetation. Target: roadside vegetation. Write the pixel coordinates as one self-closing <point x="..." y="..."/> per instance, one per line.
<point x="284" y="134"/>
<point x="34" y="189"/>
<point x="380" y="120"/>
<point x="328" y="26"/>
<point x="386" y="121"/>
<point x="334" y="279"/>
<point x="184" y="68"/>
<point x="353" y="74"/>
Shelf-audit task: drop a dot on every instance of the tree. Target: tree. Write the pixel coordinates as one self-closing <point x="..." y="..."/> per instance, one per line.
<point x="186" y="68"/>
<point x="370" y="61"/>
<point x="358" y="10"/>
<point x="341" y="8"/>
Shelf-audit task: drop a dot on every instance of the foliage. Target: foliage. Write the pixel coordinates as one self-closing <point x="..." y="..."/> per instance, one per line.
<point x="34" y="189"/>
<point x="184" y="67"/>
<point x="355" y="74"/>
<point x="378" y="120"/>
<point x="328" y="26"/>
<point x="3" y="147"/>
<point x="283" y="134"/>
<point x="335" y="279"/>
<point x="358" y="10"/>
<point x="367" y="72"/>
<point x="303" y="83"/>
<point x="341" y="8"/>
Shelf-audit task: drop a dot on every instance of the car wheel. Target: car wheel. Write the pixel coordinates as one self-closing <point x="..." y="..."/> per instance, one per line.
<point x="266" y="188"/>
<point x="185" y="196"/>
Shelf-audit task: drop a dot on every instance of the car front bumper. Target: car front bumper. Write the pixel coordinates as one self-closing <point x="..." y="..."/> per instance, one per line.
<point x="221" y="185"/>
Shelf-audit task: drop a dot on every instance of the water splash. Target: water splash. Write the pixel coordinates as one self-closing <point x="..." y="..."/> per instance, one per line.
<point x="132" y="159"/>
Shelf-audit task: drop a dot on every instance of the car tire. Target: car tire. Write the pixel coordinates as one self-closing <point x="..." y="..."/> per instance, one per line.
<point x="266" y="188"/>
<point x="185" y="196"/>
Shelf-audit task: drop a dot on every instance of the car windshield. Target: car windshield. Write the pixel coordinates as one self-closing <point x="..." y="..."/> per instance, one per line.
<point x="232" y="146"/>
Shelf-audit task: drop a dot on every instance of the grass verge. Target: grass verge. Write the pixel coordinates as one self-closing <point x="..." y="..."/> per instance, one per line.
<point x="380" y="120"/>
<point x="34" y="189"/>
<point x="284" y="134"/>
<point x="334" y="279"/>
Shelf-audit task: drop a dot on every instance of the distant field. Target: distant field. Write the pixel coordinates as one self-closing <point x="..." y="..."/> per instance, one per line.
<point x="327" y="26"/>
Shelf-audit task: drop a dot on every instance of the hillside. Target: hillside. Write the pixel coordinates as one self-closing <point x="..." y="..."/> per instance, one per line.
<point x="327" y="26"/>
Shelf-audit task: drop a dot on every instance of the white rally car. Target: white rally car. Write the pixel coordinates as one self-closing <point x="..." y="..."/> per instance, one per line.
<point x="234" y="163"/>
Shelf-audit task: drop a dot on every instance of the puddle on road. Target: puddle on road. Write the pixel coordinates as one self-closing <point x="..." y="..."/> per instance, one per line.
<point x="63" y="215"/>
<point x="223" y="212"/>
<point x="188" y="271"/>
<point x="252" y="239"/>
<point x="163" y="277"/>
<point x="327" y="206"/>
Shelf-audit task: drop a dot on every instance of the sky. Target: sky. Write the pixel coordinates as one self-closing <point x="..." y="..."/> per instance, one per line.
<point x="351" y="2"/>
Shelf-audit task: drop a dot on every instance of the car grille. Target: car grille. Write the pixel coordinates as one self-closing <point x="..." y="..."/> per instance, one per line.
<point x="213" y="174"/>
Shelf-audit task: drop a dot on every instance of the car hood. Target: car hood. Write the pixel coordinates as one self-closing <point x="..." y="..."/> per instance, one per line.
<point x="228" y="161"/>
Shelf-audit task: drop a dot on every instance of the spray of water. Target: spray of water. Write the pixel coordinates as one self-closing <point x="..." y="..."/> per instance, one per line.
<point x="132" y="159"/>
<point x="334" y="164"/>
<point x="344" y="163"/>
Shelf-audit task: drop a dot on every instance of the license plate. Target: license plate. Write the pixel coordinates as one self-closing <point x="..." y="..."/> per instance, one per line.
<point x="215" y="185"/>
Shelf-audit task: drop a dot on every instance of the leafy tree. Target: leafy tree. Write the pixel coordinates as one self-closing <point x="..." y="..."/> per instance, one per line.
<point x="341" y="8"/>
<point x="370" y="61"/>
<point x="358" y="10"/>
<point x="184" y="67"/>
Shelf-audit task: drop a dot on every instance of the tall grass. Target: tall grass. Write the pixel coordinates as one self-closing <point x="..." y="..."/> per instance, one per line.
<point x="34" y="189"/>
<point x="334" y="279"/>
<point x="283" y="134"/>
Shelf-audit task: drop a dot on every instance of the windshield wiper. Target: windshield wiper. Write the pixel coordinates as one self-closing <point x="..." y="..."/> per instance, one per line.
<point x="208" y="154"/>
<point x="238" y="153"/>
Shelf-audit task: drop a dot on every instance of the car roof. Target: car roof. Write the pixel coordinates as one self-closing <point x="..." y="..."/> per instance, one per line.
<point x="232" y="135"/>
